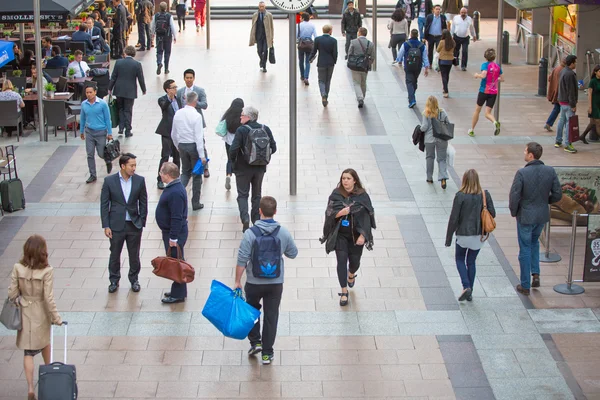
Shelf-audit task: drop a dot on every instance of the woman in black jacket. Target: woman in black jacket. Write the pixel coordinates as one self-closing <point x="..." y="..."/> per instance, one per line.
<point x="349" y="220"/>
<point x="465" y="220"/>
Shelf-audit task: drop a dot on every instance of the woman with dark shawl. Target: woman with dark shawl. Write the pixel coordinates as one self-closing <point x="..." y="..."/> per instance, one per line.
<point x="348" y="222"/>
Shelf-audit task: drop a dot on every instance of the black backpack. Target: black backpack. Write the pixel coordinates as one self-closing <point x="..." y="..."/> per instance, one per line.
<point x="163" y="24"/>
<point x="257" y="148"/>
<point x="266" y="254"/>
<point x="414" y="58"/>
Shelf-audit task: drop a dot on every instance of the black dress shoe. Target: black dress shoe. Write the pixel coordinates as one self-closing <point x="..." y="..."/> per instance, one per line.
<point x="172" y="300"/>
<point x="197" y="207"/>
<point x="135" y="286"/>
<point x="128" y="134"/>
<point x="158" y="69"/>
<point x="91" y="179"/>
<point x="108" y="167"/>
<point x="245" y="226"/>
<point x="113" y="287"/>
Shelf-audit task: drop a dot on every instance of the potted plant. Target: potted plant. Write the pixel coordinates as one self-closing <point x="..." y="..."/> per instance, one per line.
<point x="71" y="73"/>
<point x="71" y="58"/>
<point x="6" y="34"/>
<point x="91" y="59"/>
<point x="17" y="73"/>
<point x="50" y="90"/>
<point x="83" y="15"/>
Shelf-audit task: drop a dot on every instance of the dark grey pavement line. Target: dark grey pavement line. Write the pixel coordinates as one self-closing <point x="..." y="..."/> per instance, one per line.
<point x="563" y="367"/>
<point x="39" y="185"/>
<point x="9" y="226"/>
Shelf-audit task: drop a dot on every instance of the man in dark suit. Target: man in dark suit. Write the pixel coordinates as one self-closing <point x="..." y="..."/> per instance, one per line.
<point x="124" y="75"/>
<point x="124" y="209"/>
<point x="328" y="54"/>
<point x="434" y="25"/>
<point x="94" y="31"/>
<point x="57" y="61"/>
<point x="119" y="28"/>
<point x="82" y="36"/>
<point x="171" y="217"/>
<point x="169" y="104"/>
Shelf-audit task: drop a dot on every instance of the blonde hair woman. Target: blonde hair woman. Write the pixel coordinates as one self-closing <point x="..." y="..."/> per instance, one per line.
<point x="434" y="147"/>
<point x="8" y="94"/>
<point x="32" y="281"/>
<point x="465" y="221"/>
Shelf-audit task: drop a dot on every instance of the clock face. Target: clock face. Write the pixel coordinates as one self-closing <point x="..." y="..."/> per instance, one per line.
<point x="292" y="6"/>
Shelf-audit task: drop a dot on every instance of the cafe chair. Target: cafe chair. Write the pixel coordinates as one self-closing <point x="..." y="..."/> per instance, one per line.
<point x="29" y="45"/>
<point x="77" y="46"/>
<point x="61" y="85"/>
<point x="54" y="72"/>
<point x="9" y="116"/>
<point x="11" y="73"/>
<point x="55" y="115"/>
<point x="100" y="58"/>
<point x="19" y="82"/>
<point x="62" y="45"/>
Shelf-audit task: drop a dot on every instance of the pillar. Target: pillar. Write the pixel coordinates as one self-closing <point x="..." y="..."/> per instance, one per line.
<point x="587" y="36"/>
<point x="541" y="24"/>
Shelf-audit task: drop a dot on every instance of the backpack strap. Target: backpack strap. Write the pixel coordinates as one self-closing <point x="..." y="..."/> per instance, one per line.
<point x="256" y="230"/>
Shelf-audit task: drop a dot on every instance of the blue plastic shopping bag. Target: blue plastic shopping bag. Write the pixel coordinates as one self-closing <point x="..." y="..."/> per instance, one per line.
<point x="199" y="167"/>
<point x="228" y="312"/>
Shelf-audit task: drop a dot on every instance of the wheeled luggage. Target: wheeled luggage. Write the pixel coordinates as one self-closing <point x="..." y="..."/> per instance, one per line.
<point x="11" y="189"/>
<point x="57" y="381"/>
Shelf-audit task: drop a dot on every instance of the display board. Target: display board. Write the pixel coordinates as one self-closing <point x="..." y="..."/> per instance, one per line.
<point x="581" y="189"/>
<point x="591" y="266"/>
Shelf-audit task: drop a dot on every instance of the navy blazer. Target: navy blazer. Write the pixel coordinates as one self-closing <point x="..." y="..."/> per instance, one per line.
<point x="57" y="62"/>
<point x="327" y="47"/>
<point x="79" y="36"/>
<point x="166" y="123"/>
<point x="113" y="205"/>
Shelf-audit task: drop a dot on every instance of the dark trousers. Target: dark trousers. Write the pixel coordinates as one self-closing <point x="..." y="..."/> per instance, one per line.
<point x="411" y="85"/>
<point x="180" y="10"/>
<point x="133" y="237"/>
<point x="445" y="72"/>
<point x="229" y="166"/>
<point x="189" y="157"/>
<point x="304" y="64"/>
<point x="253" y="176"/>
<point x="396" y="41"/>
<point x="465" y="263"/>
<point x="163" y="45"/>
<point x="263" y="52"/>
<point x="432" y="43"/>
<point x="125" y="107"/>
<point x="144" y="34"/>
<point x="348" y="256"/>
<point x="325" y="74"/>
<point x="271" y="297"/>
<point x="464" y="44"/>
<point x="168" y="150"/>
<point x="350" y="36"/>
<point x="117" y="44"/>
<point x="178" y="290"/>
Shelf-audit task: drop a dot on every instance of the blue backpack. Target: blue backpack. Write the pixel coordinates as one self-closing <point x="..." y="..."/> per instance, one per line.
<point x="266" y="254"/>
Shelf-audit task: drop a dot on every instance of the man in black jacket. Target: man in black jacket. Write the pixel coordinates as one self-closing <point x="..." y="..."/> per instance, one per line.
<point x="567" y="98"/>
<point x="328" y="54"/>
<point x="118" y="30"/>
<point x="169" y="104"/>
<point x="534" y="187"/>
<point x="123" y="210"/>
<point x="82" y="36"/>
<point x="245" y="173"/>
<point x="434" y="25"/>
<point x="351" y="21"/>
<point x="123" y="80"/>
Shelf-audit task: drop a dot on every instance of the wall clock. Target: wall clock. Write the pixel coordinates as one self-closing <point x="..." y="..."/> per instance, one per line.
<point x="292" y="6"/>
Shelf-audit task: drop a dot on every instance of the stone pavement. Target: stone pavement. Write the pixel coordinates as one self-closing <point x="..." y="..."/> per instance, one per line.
<point x="402" y="336"/>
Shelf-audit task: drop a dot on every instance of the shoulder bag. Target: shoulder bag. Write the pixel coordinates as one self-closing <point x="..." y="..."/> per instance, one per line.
<point x="174" y="269"/>
<point x="360" y="62"/>
<point x="10" y="316"/>
<point x="487" y="221"/>
<point x="221" y="129"/>
<point x="442" y="130"/>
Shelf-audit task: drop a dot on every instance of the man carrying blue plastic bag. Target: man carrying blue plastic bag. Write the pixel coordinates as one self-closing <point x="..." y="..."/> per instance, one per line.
<point x="261" y="256"/>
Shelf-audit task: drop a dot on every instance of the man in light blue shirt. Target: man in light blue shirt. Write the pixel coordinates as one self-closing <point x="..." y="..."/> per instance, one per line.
<point x="306" y="34"/>
<point x="96" y="129"/>
<point x="434" y="25"/>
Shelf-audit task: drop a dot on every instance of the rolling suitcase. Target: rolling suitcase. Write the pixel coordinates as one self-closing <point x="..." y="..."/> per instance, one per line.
<point x="57" y="381"/>
<point x="11" y="189"/>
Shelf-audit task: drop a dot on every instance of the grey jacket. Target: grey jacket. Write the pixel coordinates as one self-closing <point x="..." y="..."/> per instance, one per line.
<point x="357" y="45"/>
<point x="427" y="126"/>
<point x="567" y="87"/>
<point x="288" y="248"/>
<point x="202" y="102"/>
<point x="534" y="187"/>
<point x="465" y="218"/>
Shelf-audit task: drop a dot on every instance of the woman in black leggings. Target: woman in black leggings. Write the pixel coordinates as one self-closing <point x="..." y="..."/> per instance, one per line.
<point x="181" y="11"/>
<point x="348" y="222"/>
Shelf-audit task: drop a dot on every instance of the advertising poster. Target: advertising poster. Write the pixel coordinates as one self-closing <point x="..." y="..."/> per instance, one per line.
<point x="591" y="268"/>
<point x="580" y="191"/>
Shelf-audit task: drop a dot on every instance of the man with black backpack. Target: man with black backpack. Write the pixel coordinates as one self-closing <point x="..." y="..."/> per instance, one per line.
<point x="414" y="54"/>
<point x="261" y="256"/>
<point x="251" y="152"/>
<point x="360" y="58"/>
<point x="163" y="28"/>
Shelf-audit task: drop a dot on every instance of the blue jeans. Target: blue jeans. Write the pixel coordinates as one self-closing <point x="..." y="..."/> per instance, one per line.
<point x="422" y="28"/>
<point x="411" y="85"/>
<point x="529" y="251"/>
<point x="563" y="124"/>
<point x="553" y="115"/>
<point x="304" y="64"/>
<point x="465" y="263"/>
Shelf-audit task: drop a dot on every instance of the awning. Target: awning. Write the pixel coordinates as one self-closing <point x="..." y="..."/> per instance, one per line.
<point x="529" y="4"/>
<point x="50" y="10"/>
<point x="6" y="52"/>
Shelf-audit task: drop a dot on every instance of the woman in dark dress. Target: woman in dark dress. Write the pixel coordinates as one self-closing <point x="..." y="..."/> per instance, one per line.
<point x="349" y="219"/>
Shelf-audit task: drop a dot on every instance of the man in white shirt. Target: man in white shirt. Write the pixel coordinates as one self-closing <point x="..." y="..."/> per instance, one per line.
<point x="462" y="25"/>
<point x="188" y="136"/>
<point x="81" y="68"/>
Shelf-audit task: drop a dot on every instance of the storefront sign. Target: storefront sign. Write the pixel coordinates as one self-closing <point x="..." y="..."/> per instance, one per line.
<point x="591" y="267"/>
<point x="25" y="18"/>
<point x="581" y="189"/>
<point x="529" y="4"/>
<point x="590" y="2"/>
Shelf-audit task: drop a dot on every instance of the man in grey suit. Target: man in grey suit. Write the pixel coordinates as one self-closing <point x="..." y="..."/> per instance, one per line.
<point x="124" y="210"/>
<point x="328" y="53"/>
<point x="189" y="76"/>
<point x="124" y="75"/>
<point x="361" y="45"/>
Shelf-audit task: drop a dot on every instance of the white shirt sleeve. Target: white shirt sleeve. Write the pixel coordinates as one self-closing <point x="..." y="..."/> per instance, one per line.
<point x="173" y="28"/>
<point x="199" y="135"/>
<point x="174" y="136"/>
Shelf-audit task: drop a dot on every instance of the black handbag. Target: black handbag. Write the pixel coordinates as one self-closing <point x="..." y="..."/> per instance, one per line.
<point x="112" y="150"/>
<point x="360" y="62"/>
<point x="441" y="130"/>
<point x="272" y="55"/>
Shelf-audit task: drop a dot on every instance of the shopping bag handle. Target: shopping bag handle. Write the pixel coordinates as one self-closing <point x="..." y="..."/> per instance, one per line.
<point x="238" y="293"/>
<point x="179" y="255"/>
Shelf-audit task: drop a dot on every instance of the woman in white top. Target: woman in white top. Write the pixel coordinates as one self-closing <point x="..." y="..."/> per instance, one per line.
<point x="232" y="122"/>
<point x="181" y="11"/>
<point x="8" y="94"/>
<point x="398" y="27"/>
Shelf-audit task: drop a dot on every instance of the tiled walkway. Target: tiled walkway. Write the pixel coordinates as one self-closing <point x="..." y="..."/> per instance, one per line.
<point x="402" y="336"/>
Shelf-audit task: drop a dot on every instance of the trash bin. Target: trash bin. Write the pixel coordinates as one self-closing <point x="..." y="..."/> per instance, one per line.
<point x="533" y="48"/>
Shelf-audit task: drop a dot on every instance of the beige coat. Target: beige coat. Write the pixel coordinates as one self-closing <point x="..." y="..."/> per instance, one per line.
<point x="268" y="21"/>
<point x="35" y="288"/>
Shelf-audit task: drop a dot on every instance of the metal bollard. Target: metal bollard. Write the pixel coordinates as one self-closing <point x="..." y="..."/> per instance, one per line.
<point x="569" y="287"/>
<point x="546" y="256"/>
<point x="543" y="77"/>
<point x="476" y="19"/>
<point x="505" y="46"/>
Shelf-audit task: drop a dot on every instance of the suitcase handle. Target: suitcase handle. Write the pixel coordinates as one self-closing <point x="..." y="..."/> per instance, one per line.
<point x="65" y="324"/>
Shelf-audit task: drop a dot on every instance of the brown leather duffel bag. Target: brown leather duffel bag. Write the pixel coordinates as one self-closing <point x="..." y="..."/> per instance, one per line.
<point x="174" y="269"/>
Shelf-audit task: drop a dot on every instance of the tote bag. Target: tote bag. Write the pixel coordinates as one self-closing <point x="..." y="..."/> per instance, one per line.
<point x="10" y="316"/>
<point x="442" y="130"/>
